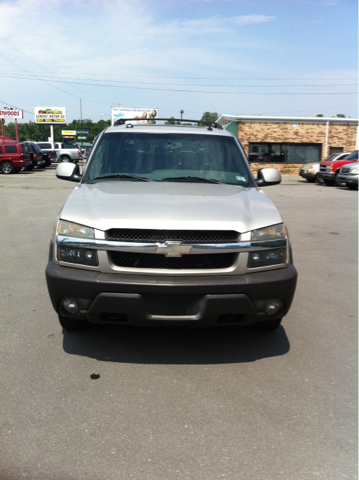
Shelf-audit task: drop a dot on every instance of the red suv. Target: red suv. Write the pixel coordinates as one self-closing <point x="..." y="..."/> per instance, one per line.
<point x="13" y="156"/>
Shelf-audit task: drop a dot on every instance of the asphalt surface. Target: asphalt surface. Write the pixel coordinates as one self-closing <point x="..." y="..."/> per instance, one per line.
<point x="175" y="403"/>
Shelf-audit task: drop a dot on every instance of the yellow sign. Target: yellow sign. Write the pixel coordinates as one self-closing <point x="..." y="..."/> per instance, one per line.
<point x="53" y="115"/>
<point x="68" y="132"/>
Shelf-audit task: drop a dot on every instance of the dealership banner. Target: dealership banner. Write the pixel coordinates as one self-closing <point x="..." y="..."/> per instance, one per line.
<point x="7" y="112"/>
<point x="143" y="115"/>
<point x="50" y="115"/>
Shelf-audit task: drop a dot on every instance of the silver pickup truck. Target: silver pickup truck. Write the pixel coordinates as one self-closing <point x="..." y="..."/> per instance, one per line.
<point x="168" y="226"/>
<point x="65" y="152"/>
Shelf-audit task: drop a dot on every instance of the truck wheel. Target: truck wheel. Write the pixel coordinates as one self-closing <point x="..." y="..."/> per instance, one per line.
<point x="73" y="323"/>
<point x="319" y="179"/>
<point x="268" y="325"/>
<point x="337" y="183"/>
<point x="7" y="168"/>
<point x="65" y="158"/>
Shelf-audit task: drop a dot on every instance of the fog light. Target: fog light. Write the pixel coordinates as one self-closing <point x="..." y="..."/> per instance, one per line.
<point x="270" y="307"/>
<point x="73" y="305"/>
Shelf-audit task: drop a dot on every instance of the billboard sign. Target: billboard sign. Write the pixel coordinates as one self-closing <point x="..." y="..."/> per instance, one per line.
<point x="50" y="115"/>
<point x="144" y="116"/>
<point x="82" y="132"/>
<point x="7" y="112"/>
<point x="68" y="132"/>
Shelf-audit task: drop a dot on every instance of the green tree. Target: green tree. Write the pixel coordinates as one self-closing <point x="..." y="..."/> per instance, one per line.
<point x="209" y="117"/>
<point x="320" y="115"/>
<point x="172" y="122"/>
<point x="341" y="115"/>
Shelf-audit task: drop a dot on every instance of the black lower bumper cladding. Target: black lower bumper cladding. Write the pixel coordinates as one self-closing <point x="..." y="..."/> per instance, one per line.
<point x="175" y="300"/>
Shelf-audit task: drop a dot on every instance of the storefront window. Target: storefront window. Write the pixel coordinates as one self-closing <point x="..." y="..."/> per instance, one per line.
<point x="284" y="152"/>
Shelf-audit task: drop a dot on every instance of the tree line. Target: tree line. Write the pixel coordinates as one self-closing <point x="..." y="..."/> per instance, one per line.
<point x="40" y="133"/>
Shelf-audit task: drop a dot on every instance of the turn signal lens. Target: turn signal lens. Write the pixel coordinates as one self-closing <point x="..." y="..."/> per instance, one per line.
<point x="70" y="229"/>
<point x="269" y="233"/>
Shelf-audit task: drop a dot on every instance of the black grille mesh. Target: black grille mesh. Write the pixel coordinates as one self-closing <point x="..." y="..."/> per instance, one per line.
<point x="161" y="236"/>
<point x="186" y="262"/>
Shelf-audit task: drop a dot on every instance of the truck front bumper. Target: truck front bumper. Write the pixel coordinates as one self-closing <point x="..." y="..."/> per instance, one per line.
<point x="159" y="300"/>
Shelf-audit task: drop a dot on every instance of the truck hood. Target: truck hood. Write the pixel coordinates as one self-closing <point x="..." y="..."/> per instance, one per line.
<point x="169" y="205"/>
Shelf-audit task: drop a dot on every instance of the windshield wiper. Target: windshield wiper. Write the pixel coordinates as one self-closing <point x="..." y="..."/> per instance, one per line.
<point x="190" y="179"/>
<point x="135" y="178"/>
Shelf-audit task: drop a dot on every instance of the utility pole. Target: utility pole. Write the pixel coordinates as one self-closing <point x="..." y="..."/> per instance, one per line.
<point x="81" y="125"/>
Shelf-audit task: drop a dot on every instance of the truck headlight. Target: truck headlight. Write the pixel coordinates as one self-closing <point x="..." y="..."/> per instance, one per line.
<point x="70" y="229"/>
<point x="354" y="170"/>
<point x="269" y="233"/>
<point x="267" y="257"/>
<point x="83" y="256"/>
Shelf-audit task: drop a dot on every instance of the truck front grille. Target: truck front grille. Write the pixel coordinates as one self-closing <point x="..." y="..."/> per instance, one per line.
<point x="161" y="236"/>
<point x="186" y="262"/>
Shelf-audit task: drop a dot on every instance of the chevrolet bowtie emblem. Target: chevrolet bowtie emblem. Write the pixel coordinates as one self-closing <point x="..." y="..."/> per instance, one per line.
<point x="173" y="249"/>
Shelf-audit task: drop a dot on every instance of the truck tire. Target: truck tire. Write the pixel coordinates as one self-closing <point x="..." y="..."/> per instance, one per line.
<point x="65" y="158"/>
<point x="337" y="183"/>
<point x="73" y="323"/>
<point x="7" y="168"/>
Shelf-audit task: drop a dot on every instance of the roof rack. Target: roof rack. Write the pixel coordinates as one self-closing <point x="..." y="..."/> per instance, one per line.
<point x="211" y="125"/>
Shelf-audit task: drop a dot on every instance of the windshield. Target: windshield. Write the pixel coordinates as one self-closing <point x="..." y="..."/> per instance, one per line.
<point x="352" y="156"/>
<point x="168" y="157"/>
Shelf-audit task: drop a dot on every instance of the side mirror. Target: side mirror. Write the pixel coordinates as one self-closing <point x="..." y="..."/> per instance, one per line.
<point x="68" y="171"/>
<point x="268" y="176"/>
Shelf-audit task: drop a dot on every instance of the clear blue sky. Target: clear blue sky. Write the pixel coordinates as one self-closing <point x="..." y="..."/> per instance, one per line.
<point x="245" y="57"/>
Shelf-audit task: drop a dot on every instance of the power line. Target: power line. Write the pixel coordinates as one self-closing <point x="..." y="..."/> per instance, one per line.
<point x="206" y="78"/>
<point x="46" y="81"/>
<point x="185" y="90"/>
<point x="63" y="79"/>
<point x="17" y="108"/>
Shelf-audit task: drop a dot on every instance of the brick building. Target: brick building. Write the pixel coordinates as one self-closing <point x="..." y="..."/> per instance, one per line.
<point x="288" y="142"/>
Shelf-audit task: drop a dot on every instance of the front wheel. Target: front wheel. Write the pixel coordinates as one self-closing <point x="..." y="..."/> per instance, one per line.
<point x="7" y="168"/>
<point x="65" y="158"/>
<point x="337" y="183"/>
<point x="73" y="323"/>
<point x="268" y="325"/>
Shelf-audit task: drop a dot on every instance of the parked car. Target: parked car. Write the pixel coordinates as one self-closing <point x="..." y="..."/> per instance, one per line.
<point x="168" y="226"/>
<point x="329" y="170"/>
<point x="310" y="171"/>
<point x="348" y="175"/>
<point x="36" y="156"/>
<point x="68" y="152"/>
<point x="13" y="156"/>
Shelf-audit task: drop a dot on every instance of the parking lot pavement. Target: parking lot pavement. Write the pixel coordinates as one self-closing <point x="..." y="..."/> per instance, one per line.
<point x="175" y="403"/>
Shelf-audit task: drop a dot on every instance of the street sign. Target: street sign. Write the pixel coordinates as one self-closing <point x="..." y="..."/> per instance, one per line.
<point x="81" y="138"/>
<point x="82" y="132"/>
<point x="50" y="115"/>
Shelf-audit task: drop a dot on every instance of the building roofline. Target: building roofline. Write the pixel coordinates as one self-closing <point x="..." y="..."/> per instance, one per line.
<point x="271" y="118"/>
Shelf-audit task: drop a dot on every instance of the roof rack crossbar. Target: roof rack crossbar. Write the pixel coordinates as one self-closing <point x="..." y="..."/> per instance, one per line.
<point x="122" y="121"/>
